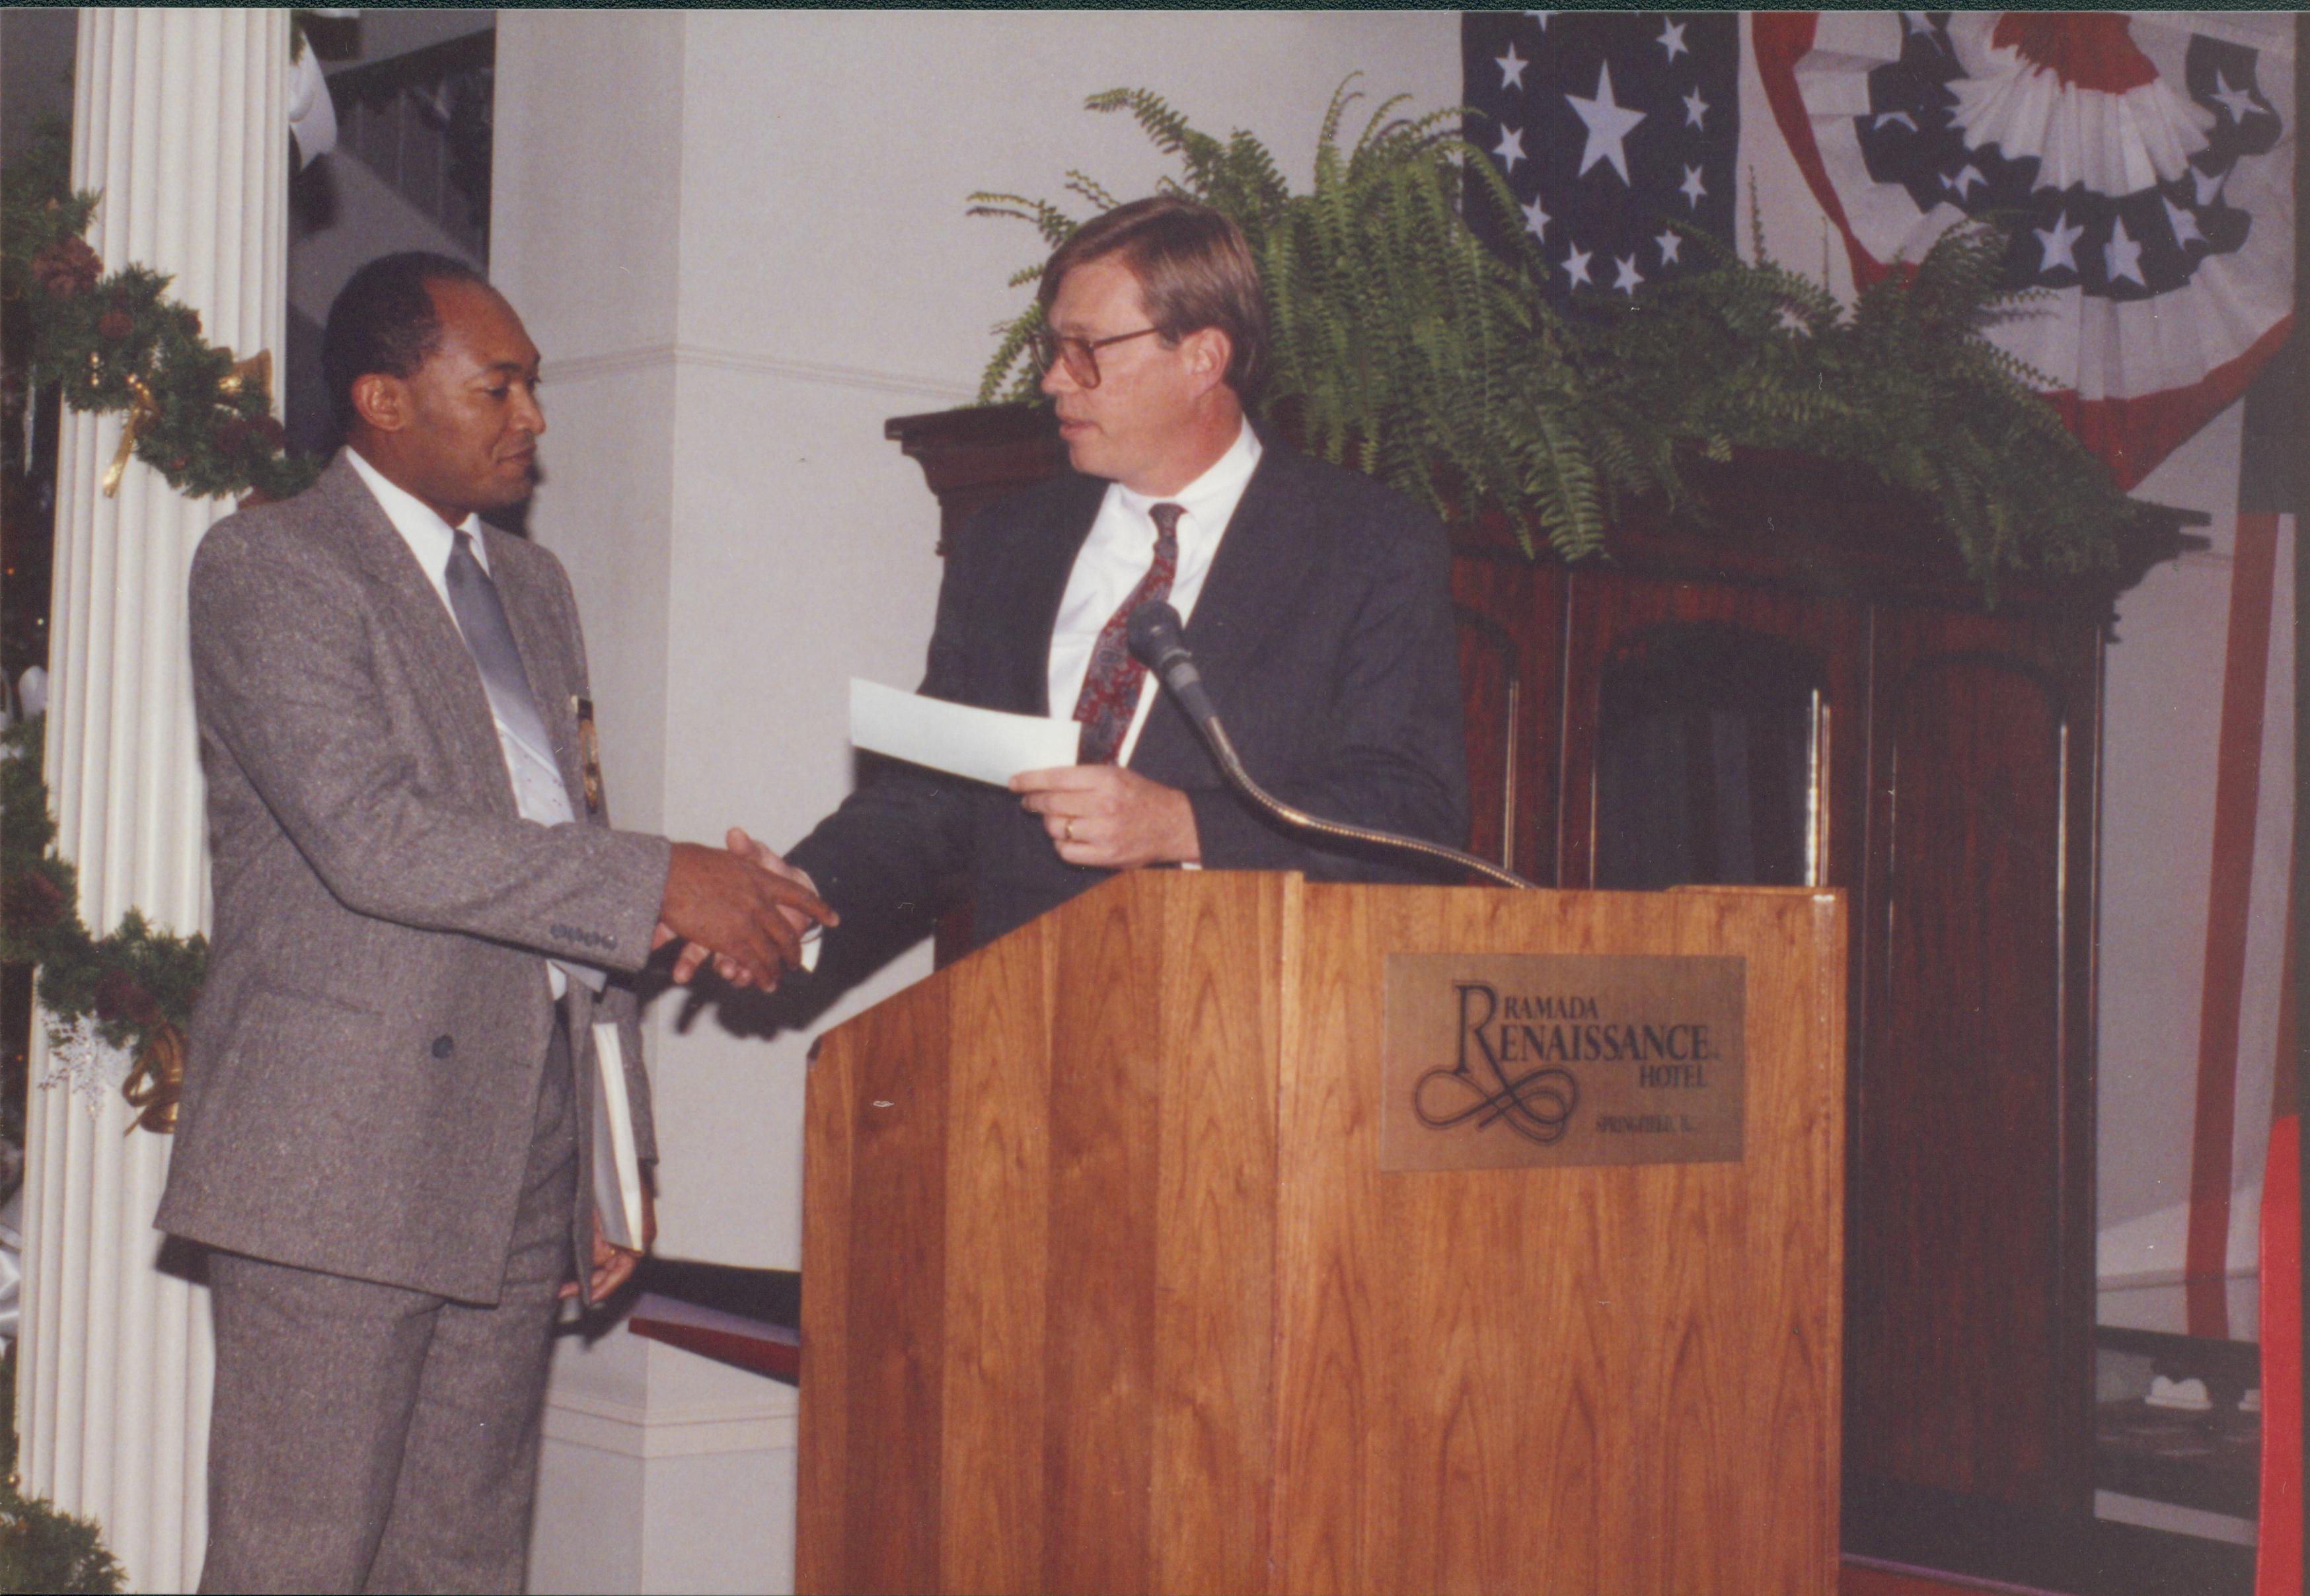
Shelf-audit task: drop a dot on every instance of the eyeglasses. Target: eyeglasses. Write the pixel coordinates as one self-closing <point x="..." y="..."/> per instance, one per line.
<point x="1080" y="354"/>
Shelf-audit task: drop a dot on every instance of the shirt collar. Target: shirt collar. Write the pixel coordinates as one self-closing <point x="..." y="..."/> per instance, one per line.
<point x="429" y="537"/>
<point x="1221" y="484"/>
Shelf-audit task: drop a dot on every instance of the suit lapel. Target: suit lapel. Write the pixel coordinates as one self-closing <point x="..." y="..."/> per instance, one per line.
<point x="442" y="668"/>
<point x="1046" y="556"/>
<point x="1262" y="561"/>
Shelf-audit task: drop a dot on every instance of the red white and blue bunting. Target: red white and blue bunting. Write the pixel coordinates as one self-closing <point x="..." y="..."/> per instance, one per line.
<point x="2149" y="158"/>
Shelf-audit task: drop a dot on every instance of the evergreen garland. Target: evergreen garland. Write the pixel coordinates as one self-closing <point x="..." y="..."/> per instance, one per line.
<point x="136" y="986"/>
<point x="115" y="342"/>
<point x="1401" y="338"/>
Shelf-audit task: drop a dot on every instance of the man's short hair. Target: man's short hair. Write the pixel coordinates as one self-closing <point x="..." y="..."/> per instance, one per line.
<point x="1194" y="270"/>
<point x="384" y="321"/>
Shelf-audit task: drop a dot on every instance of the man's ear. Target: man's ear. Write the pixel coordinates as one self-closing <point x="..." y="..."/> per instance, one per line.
<point x="381" y="401"/>
<point x="1208" y="351"/>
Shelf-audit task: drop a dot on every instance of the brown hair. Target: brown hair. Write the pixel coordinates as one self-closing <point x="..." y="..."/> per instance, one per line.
<point x="1194" y="270"/>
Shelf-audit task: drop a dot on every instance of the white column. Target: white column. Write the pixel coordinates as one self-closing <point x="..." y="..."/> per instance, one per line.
<point x="178" y="118"/>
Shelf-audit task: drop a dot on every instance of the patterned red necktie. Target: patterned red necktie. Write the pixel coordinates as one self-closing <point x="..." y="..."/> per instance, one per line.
<point x="1110" y="688"/>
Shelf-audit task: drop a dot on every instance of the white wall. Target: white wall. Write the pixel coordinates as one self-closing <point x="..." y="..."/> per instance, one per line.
<point x="741" y="241"/>
<point x="2164" y="680"/>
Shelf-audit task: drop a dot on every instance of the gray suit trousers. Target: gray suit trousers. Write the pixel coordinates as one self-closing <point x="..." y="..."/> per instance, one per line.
<point x="368" y="1438"/>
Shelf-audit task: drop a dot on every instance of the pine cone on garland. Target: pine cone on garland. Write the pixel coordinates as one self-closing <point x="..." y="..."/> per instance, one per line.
<point x="66" y="267"/>
<point x="119" y="998"/>
<point x="116" y="324"/>
<point x="31" y="903"/>
<point x="235" y="433"/>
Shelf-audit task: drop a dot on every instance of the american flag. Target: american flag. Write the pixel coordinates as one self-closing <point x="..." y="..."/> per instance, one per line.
<point x="1609" y="126"/>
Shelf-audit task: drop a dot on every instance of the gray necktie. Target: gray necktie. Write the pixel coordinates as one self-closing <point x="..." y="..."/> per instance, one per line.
<point x="473" y="600"/>
<point x="482" y="616"/>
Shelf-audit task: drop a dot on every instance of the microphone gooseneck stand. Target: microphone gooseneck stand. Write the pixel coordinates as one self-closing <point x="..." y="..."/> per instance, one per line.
<point x="1155" y="639"/>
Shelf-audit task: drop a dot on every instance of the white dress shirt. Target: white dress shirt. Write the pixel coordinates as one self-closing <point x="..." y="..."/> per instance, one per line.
<point x="1115" y="559"/>
<point x="539" y="792"/>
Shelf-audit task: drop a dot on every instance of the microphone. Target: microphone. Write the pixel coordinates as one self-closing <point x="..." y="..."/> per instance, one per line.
<point x="1154" y="633"/>
<point x="1155" y="639"/>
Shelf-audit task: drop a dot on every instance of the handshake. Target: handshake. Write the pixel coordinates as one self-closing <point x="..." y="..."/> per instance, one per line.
<point x="745" y="908"/>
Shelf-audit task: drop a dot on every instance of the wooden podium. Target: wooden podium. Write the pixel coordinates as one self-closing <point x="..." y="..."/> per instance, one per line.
<point x="1106" y="1289"/>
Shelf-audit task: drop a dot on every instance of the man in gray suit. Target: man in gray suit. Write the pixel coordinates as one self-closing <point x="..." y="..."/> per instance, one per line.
<point x="385" y="1139"/>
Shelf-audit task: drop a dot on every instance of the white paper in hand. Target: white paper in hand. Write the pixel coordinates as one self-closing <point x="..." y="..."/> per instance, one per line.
<point x="983" y="744"/>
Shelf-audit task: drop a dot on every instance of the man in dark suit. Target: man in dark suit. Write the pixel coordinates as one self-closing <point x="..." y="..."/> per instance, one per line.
<point x="1317" y="603"/>
<point x="385" y="1134"/>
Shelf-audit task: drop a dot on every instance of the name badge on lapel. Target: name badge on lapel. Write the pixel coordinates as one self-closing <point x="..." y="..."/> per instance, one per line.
<point x="589" y="756"/>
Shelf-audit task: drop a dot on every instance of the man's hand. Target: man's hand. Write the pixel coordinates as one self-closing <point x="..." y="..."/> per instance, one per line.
<point x="728" y="968"/>
<point x="726" y="903"/>
<point x="613" y="1266"/>
<point x="1108" y="816"/>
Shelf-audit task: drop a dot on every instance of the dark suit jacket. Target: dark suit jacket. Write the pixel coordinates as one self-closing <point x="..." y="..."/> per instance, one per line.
<point x="365" y="1052"/>
<point x="1324" y="633"/>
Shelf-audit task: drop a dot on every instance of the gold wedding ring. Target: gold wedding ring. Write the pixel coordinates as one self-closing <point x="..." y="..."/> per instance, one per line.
<point x="1071" y="829"/>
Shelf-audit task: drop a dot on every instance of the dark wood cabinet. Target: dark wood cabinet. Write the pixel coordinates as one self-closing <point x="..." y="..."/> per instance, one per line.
<point x="1972" y="1127"/>
<point x="1810" y="692"/>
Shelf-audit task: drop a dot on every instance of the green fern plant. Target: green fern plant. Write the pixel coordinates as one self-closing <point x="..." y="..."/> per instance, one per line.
<point x="1407" y="346"/>
<point x="1904" y="382"/>
<point x="1401" y="339"/>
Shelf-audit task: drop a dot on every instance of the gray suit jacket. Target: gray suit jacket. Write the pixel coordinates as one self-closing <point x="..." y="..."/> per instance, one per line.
<point x="365" y="1056"/>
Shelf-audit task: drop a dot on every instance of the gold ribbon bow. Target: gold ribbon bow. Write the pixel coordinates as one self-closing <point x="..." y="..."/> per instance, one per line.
<point x="157" y="1081"/>
<point x="255" y="372"/>
<point x="141" y="413"/>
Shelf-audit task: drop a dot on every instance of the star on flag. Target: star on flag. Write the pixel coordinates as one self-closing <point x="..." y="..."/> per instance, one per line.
<point x="1609" y="126"/>
<point x="2059" y="243"/>
<point x="2184" y="224"/>
<point x="2122" y="255"/>
<point x="1510" y="149"/>
<point x="1605" y="126"/>
<point x="2237" y="102"/>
